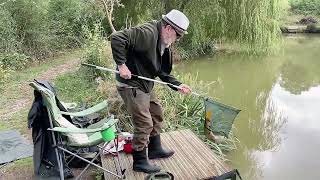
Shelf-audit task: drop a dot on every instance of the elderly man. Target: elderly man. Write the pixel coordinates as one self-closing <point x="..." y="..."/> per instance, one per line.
<point x="144" y="51"/>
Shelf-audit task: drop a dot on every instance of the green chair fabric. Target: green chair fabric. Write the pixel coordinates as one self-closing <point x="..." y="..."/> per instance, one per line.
<point x="79" y="137"/>
<point x="88" y="111"/>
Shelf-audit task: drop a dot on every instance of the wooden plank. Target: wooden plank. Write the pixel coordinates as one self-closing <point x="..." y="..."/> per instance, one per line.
<point x="200" y="163"/>
<point x="184" y="148"/>
<point x="109" y="165"/>
<point x="179" y="161"/>
<point x="127" y="163"/>
<point x="192" y="159"/>
<point x="206" y="153"/>
<point x="169" y="164"/>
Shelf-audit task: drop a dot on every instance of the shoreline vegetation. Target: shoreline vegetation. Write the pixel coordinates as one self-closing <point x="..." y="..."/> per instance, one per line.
<point x="33" y="31"/>
<point x="299" y="23"/>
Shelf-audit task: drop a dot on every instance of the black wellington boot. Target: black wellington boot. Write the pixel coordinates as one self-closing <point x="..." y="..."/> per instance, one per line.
<point x="155" y="149"/>
<point x="141" y="164"/>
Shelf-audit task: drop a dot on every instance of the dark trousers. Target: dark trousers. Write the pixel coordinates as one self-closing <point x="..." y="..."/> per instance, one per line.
<point x="146" y="113"/>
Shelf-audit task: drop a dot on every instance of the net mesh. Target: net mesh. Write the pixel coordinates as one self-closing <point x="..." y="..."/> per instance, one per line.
<point x="219" y="117"/>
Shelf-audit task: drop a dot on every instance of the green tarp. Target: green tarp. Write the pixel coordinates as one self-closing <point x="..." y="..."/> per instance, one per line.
<point x="13" y="146"/>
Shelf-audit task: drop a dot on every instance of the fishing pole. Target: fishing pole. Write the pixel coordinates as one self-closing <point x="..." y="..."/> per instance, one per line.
<point x="140" y="77"/>
<point x="226" y="113"/>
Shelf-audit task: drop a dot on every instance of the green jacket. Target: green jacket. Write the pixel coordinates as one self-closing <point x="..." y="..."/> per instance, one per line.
<point x="139" y="48"/>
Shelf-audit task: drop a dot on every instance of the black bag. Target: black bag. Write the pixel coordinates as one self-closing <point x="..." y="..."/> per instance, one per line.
<point x="232" y="175"/>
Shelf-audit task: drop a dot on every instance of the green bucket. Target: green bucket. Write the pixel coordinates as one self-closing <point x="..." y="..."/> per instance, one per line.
<point x="108" y="134"/>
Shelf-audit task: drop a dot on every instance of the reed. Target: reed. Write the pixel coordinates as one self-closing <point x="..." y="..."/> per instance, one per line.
<point x="187" y="111"/>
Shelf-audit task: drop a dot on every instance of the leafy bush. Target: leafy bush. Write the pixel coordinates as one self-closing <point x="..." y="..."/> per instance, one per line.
<point x="67" y="19"/>
<point x="7" y="31"/>
<point x="65" y="23"/>
<point x="29" y="16"/>
<point x="14" y="61"/>
<point x="41" y="28"/>
<point x="306" y="7"/>
<point x="97" y="52"/>
<point x="4" y="73"/>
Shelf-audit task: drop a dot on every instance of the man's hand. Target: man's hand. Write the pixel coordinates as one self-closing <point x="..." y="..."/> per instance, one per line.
<point x="185" y="89"/>
<point x="124" y="71"/>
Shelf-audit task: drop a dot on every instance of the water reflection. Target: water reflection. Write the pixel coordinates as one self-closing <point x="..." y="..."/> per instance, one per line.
<point x="272" y="121"/>
<point x="266" y="130"/>
<point x="279" y="126"/>
<point x="297" y="78"/>
<point x="296" y="156"/>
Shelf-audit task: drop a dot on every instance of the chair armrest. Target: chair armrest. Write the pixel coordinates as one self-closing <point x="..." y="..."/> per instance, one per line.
<point x="88" y="111"/>
<point x="105" y="126"/>
<point x="69" y="105"/>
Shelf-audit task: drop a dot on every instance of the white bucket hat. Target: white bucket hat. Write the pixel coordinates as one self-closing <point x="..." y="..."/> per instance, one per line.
<point x="177" y="20"/>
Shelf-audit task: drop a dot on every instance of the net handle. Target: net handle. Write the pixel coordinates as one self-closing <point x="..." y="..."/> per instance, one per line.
<point x="137" y="76"/>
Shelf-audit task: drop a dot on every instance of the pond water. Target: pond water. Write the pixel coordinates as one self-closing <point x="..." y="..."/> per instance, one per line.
<point x="279" y="125"/>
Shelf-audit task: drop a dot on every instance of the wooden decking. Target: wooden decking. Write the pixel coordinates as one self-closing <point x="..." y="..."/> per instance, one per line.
<point x="192" y="159"/>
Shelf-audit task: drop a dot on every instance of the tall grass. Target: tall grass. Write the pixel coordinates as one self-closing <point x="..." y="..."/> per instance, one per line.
<point x="187" y="111"/>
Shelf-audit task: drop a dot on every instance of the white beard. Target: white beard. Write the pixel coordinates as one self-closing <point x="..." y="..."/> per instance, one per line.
<point x="167" y="42"/>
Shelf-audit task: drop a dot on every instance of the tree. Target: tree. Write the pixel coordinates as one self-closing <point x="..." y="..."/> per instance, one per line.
<point x="108" y="6"/>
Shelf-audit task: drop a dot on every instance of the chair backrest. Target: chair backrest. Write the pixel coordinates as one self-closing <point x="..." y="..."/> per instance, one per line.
<point x="48" y="98"/>
<point x="55" y="116"/>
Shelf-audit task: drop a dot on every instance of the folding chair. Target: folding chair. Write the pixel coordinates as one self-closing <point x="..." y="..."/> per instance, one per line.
<point x="94" y="135"/>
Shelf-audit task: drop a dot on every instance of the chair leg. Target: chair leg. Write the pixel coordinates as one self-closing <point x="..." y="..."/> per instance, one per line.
<point x="117" y="164"/>
<point x="61" y="167"/>
<point x="122" y="171"/>
<point x="65" y="150"/>
<point x="59" y="158"/>
<point x="82" y="172"/>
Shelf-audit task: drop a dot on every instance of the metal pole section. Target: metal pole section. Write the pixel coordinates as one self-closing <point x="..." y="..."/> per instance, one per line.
<point x="82" y="172"/>
<point x="89" y="162"/>
<point x="58" y="155"/>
